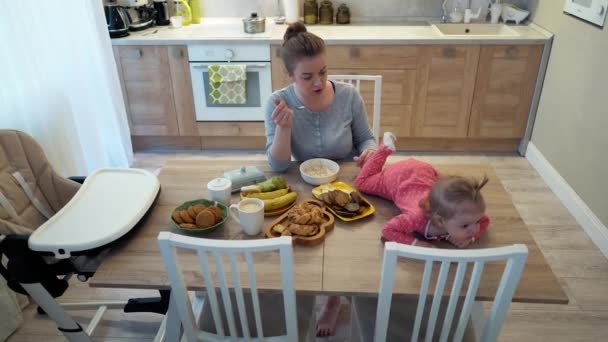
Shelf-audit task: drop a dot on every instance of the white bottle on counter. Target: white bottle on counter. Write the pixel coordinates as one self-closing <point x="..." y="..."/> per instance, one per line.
<point x="292" y="13"/>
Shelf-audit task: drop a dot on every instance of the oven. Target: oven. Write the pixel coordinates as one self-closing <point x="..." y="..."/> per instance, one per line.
<point x="256" y="58"/>
<point x="593" y="11"/>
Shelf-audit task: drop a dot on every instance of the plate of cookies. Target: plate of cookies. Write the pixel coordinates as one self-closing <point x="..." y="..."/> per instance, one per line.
<point x="199" y="216"/>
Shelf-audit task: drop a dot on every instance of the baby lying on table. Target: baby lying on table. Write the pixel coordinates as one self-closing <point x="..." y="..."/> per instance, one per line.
<point x="433" y="207"/>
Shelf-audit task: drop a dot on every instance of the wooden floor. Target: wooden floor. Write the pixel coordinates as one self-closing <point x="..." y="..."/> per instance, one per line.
<point x="582" y="270"/>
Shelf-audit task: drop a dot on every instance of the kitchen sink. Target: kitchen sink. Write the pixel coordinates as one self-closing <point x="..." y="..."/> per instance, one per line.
<point x="466" y="30"/>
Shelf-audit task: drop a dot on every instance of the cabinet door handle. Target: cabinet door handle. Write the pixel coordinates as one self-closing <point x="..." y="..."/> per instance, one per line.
<point x="512" y="52"/>
<point x="136" y="53"/>
<point x="449" y="52"/>
<point x="355" y="52"/>
<point x="178" y="53"/>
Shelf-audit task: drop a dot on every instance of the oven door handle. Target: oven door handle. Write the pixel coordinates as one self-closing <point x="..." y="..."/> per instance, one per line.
<point x="249" y="66"/>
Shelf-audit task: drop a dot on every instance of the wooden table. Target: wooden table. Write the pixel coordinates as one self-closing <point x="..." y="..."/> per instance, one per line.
<point x="348" y="262"/>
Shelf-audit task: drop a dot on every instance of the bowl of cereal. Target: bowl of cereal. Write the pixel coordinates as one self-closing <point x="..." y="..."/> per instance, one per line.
<point x="319" y="171"/>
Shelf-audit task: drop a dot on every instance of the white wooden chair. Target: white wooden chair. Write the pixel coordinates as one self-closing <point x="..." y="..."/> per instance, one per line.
<point x="214" y="250"/>
<point x="470" y="310"/>
<point x="355" y="80"/>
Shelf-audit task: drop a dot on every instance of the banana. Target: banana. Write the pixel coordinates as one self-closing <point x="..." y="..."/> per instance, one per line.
<point x="280" y="202"/>
<point x="267" y="195"/>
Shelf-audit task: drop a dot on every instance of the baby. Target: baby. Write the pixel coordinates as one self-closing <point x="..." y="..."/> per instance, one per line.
<point x="433" y="207"/>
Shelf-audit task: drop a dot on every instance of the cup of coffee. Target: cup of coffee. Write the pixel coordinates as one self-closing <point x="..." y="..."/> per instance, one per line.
<point x="249" y="213"/>
<point x="220" y="189"/>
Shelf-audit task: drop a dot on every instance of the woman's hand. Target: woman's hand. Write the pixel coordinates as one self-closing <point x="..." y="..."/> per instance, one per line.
<point x="282" y="115"/>
<point x="365" y="155"/>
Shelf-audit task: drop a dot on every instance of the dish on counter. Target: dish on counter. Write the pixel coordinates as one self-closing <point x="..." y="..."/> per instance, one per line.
<point x="344" y="201"/>
<point x="319" y="171"/>
<point x="307" y="223"/>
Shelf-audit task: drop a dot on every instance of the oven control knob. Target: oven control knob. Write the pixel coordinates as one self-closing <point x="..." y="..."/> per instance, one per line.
<point x="229" y="54"/>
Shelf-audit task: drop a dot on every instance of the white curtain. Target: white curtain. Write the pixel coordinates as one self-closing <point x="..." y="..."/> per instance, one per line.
<point x="58" y="83"/>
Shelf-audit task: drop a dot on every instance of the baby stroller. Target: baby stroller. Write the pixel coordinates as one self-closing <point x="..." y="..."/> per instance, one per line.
<point x="52" y="228"/>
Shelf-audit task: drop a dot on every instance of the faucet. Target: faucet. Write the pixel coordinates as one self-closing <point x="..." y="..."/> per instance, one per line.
<point x="444" y="16"/>
<point x="468" y="13"/>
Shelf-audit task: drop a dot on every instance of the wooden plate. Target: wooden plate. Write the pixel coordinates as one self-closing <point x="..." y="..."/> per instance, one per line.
<point x="278" y="211"/>
<point x="346" y="188"/>
<point x="316" y="239"/>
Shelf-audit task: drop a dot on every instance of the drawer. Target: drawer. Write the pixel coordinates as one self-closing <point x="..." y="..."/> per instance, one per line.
<point x="512" y="51"/>
<point x="398" y="86"/>
<point x="372" y="56"/>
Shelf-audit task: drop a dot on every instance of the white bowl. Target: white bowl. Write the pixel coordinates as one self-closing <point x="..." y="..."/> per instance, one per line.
<point x="311" y="169"/>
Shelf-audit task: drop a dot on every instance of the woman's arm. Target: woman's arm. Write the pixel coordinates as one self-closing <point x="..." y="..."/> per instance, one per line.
<point x="277" y="122"/>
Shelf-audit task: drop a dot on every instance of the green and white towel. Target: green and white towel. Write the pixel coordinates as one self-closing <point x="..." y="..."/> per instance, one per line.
<point x="227" y="84"/>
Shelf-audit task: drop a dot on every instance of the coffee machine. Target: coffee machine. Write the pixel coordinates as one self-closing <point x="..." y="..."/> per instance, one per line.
<point x="117" y="20"/>
<point x="141" y="14"/>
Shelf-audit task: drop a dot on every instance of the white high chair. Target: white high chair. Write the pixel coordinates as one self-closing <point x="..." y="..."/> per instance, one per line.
<point x="363" y="327"/>
<point x="355" y="80"/>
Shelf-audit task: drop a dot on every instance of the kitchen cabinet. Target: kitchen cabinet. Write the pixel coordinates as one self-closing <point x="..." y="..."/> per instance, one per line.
<point x="503" y="90"/>
<point x="445" y="83"/>
<point x="156" y="89"/>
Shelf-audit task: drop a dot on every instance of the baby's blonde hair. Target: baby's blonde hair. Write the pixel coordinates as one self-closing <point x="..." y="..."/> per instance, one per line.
<point x="448" y="192"/>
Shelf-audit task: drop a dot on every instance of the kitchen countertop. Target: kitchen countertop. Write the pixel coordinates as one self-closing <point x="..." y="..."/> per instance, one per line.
<point x="231" y="30"/>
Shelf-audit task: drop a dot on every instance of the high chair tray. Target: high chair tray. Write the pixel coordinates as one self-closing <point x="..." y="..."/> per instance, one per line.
<point x="107" y="206"/>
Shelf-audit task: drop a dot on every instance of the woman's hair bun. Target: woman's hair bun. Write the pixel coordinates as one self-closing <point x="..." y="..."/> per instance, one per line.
<point x="293" y="30"/>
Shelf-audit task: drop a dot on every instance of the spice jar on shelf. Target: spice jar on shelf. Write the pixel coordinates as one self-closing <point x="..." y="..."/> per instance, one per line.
<point x="311" y="12"/>
<point x="343" y="15"/>
<point x="326" y="13"/>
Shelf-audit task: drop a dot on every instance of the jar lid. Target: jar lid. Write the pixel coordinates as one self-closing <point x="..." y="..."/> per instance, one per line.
<point x="253" y="18"/>
<point x="219" y="184"/>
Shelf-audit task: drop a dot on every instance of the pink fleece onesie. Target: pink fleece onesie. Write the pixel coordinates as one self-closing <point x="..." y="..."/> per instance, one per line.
<point x="405" y="183"/>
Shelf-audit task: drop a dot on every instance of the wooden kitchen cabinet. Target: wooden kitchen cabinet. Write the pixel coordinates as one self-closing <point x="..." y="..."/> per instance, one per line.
<point x="503" y="91"/>
<point x="445" y="83"/>
<point x="156" y="89"/>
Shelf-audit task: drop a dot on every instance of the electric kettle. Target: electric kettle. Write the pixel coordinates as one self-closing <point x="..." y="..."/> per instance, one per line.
<point x="117" y="20"/>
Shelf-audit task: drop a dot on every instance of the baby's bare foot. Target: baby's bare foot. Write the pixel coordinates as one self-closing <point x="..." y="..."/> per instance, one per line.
<point x="326" y="324"/>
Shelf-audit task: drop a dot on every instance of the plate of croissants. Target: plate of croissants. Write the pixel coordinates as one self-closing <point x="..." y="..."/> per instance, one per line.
<point x="199" y="216"/>
<point x="307" y="223"/>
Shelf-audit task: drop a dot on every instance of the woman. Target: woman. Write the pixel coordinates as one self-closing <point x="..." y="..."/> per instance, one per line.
<point x="315" y="118"/>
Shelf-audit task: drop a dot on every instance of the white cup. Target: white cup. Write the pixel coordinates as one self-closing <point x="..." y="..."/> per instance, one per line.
<point x="250" y="215"/>
<point x="220" y="189"/>
<point x="176" y="21"/>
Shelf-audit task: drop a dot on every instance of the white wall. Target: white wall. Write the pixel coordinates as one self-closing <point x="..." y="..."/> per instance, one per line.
<point x="572" y="119"/>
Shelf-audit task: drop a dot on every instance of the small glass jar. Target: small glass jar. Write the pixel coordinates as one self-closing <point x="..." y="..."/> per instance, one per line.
<point x="311" y="12"/>
<point x="326" y="13"/>
<point x="343" y="15"/>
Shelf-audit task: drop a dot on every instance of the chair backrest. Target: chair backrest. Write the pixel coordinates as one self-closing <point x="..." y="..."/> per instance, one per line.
<point x="515" y="257"/>
<point x="355" y="80"/>
<point x="216" y="249"/>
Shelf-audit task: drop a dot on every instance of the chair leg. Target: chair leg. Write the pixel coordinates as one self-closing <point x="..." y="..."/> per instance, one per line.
<point x="355" y="329"/>
<point x="66" y="324"/>
<point x="476" y="322"/>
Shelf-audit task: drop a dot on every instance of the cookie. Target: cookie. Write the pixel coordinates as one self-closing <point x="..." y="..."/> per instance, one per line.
<point x="186" y="217"/>
<point x="188" y="226"/>
<point x="205" y="218"/>
<point x="177" y="217"/>
<point x="198" y="208"/>
<point x="192" y="212"/>
<point x="217" y="211"/>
